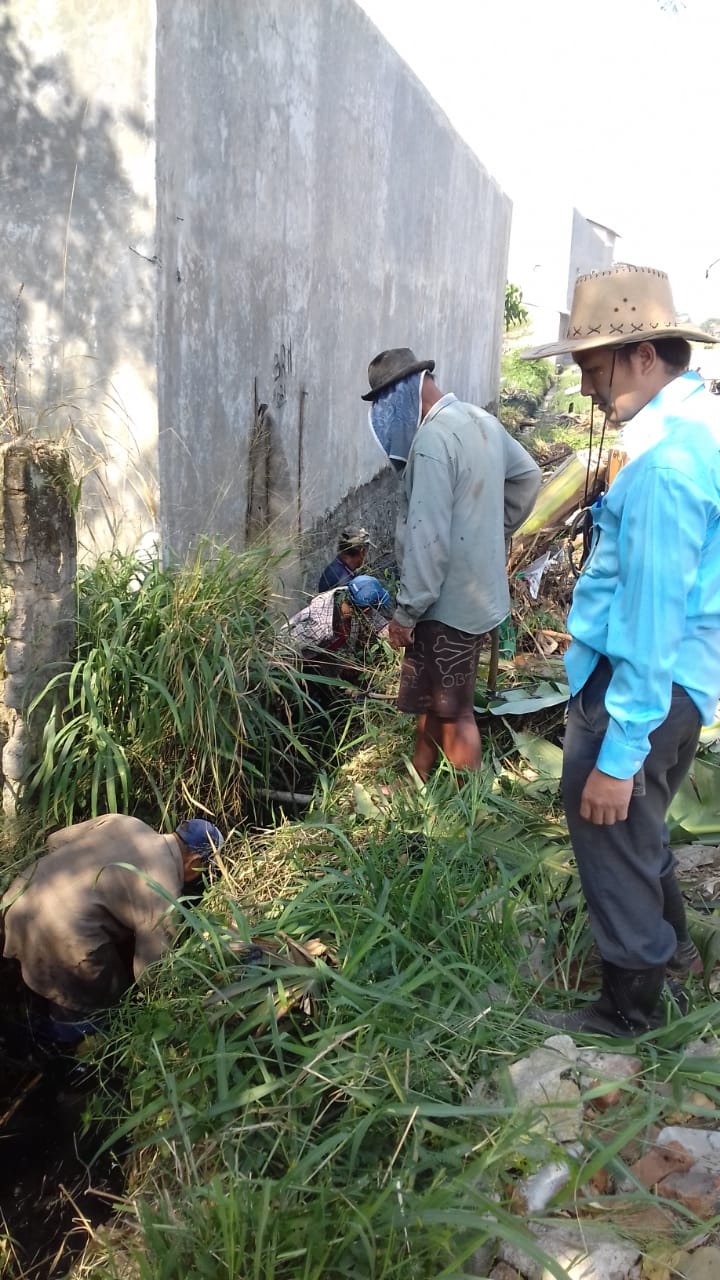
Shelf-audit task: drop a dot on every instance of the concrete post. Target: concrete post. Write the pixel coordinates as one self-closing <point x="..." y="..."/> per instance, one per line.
<point x="38" y="559"/>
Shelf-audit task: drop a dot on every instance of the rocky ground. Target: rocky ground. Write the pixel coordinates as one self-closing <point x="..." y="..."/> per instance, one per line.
<point x="633" y="1152"/>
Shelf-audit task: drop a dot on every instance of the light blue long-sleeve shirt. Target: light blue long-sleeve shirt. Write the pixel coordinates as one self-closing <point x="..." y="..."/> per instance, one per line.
<point x="649" y="597"/>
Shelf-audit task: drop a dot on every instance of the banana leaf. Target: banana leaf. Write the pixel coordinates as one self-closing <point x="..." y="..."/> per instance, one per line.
<point x="523" y="700"/>
<point x="695" y="810"/>
<point x="544" y="758"/>
<point x="558" y="496"/>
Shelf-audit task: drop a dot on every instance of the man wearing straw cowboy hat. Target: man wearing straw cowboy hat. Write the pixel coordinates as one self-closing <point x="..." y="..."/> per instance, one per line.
<point x="644" y="663"/>
<point x="468" y="485"/>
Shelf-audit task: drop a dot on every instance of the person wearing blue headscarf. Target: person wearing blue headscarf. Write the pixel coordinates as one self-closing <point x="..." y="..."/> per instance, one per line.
<point x="467" y="486"/>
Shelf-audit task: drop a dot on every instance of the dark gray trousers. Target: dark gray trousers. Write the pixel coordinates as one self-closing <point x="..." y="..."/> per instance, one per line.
<point x="621" y="866"/>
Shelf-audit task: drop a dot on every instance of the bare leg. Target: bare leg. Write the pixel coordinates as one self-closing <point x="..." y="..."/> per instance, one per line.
<point x="427" y="736"/>
<point x="460" y="741"/>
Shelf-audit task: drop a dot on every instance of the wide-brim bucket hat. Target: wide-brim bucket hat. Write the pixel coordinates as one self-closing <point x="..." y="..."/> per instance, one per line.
<point x="390" y="366"/>
<point x="615" y="307"/>
<point x="352" y="537"/>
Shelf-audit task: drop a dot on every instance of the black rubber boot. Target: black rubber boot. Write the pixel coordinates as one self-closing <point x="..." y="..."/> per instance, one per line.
<point x="629" y="1005"/>
<point x="687" y="960"/>
<point x="687" y="957"/>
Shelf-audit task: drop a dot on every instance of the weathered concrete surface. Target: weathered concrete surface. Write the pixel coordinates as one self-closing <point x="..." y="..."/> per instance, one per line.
<point x="544" y="1081"/>
<point x="77" y="202"/>
<point x="586" y="1252"/>
<point x="314" y="206"/>
<point x="551" y="244"/>
<point x="37" y="592"/>
<point x="592" y="248"/>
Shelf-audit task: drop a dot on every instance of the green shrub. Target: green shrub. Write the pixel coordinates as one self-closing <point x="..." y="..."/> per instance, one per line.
<point x="515" y="312"/>
<point x="524" y="379"/>
<point x="176" y="699"/>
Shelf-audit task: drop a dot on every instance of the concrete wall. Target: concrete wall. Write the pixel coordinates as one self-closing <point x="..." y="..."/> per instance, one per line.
<point x="550" y="246"/>
<point x="311" y="206"/>
<point x="592" y="248"/>
<point x="37" y="594"/>
<point x="314" y="207"/>
<point x="77" y="202"/>
<point x="538" y="264"/>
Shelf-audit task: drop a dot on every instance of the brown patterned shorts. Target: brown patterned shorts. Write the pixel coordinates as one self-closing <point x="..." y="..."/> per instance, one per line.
<point x="439" y="671"/>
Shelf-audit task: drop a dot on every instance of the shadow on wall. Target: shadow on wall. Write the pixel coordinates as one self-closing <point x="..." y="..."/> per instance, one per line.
<point x="374" y="506"/>
<point x="273" y="516"/>
<point x="272" y="492"/>
<point x="69" y="314"/>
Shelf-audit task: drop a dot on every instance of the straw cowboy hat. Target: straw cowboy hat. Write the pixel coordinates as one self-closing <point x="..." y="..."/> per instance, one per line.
<point x="390" y="366"/>
<point x="615" y="307"/>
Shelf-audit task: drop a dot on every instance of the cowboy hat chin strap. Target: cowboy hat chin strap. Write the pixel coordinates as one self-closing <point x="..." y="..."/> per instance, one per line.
<point x="602" y="434"/>
<point x="583" y="522"/>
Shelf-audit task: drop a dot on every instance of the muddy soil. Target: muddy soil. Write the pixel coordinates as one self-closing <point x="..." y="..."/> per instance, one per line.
<point x="52" y="1188"/>
<point x="49" y="1190"/>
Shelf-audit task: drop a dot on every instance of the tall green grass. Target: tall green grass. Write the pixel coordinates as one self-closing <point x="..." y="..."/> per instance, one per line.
<point x="340" y="1141"/>
<point x="177" y="698"/>
<point x="347" y="1138"/>
<point x="344" y="1138"/>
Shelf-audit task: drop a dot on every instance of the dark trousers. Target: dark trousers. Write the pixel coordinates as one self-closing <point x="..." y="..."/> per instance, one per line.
<point x="621" y="865"/>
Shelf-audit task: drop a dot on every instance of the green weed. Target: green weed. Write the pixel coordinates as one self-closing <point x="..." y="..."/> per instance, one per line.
<point x="178" y="697"/>
<point x="349" y="1117"/>
<point x="526" y="381"/>
<point x="366" y="1131"/>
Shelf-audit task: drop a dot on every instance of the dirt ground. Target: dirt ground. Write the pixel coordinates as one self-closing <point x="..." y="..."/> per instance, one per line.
<point x="51" y="1190"/>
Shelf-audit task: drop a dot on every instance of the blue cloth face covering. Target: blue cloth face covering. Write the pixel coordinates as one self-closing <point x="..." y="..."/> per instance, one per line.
<point x="395" y="416"/>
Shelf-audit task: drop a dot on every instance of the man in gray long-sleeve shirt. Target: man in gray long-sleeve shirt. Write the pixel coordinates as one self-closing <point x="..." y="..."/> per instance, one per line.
<point x="467" y="486"/>
<point x="89" y="916"/>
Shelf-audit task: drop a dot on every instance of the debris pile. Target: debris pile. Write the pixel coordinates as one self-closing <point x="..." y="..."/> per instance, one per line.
<point x="649" y="1186"/>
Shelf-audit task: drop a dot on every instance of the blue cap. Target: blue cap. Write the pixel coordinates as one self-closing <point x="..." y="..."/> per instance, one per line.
<point x="200" y="836"/>
<point x="367" y="592"/>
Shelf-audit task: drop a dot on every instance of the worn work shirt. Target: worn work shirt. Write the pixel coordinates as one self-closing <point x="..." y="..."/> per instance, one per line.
<point x="312" y="627"/>
<point x="81" y="927"/>
<point x="468" y="486"/>
<point x="336" y="574"/>
<point x="649" y="596"/>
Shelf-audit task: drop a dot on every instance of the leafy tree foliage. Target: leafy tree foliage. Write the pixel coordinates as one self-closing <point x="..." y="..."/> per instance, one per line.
<point x="515" y="312"/>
